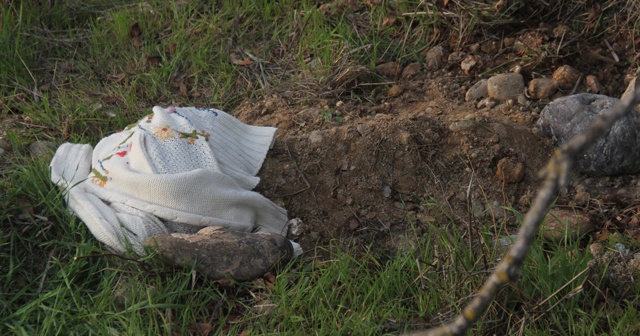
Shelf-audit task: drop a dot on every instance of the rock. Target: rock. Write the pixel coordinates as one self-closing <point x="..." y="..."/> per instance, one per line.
<point x="593" y="85"/>
<point x="1" y="151"/>
<point x="565" y="224"/>
<point x="456" y="57"/>
<point x="486" y="102"/>
<point x="395" y="90"/>
<point x="582" y="197"/>
<point x="566" y="77"/>
<point x="434" y="57"/>
<point x="390" y="69"/>
<point x="507" y="86"/>
<point x="468" y="63"/>
<point x="411" y="70"/>
<point x="616" y="154"/>
<point x="315" y="137"/>
<point x="477" y="91"/>
<point x="42" y="148"/>
<point x="4" y="144"/>
<point x="223" y="254"/>
<point x="508" y="42"/>
<point x="541" y="88"/>
<point x="490" y="47"/>
<point x="510" y="170"/>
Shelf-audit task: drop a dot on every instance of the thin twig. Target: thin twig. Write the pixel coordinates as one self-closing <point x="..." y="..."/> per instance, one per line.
<point x="556" y="175"/>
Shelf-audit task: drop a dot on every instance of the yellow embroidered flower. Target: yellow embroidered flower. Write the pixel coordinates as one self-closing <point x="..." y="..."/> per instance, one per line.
<point x="163" y="132"/>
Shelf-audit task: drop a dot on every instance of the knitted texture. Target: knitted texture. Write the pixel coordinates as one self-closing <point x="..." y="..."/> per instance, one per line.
<point x="176" y="170"/>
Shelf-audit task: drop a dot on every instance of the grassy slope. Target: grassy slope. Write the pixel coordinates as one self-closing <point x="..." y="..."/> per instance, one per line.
<point x="91" y="79"/>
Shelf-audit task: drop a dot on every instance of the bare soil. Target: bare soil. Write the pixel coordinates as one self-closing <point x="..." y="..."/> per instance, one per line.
<point x="363" y="172"/>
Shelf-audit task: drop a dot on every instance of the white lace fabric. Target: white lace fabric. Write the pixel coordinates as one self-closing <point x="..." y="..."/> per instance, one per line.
<point x="176" y="170"/>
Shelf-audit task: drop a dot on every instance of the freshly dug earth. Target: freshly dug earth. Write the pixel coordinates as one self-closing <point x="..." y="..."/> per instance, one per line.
<point x="376" y="175"/>
<point x="367" y="179"/>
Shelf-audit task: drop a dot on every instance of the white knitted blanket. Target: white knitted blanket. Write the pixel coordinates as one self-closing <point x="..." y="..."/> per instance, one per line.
<point x="176" y="170"/>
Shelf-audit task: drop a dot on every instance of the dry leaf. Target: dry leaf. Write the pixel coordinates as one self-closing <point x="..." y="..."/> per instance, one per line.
<point x="183" y="89"/>
<point x="170" y="48"/>
<point x="117" y="77"/>
<point x="154" y="60"/>
<point x="135" y="30"/>
<point x="200" y="329"/>
<point x="389" y="20"/>
<point x="235" y="59"/>
<point x="137" y="42"/>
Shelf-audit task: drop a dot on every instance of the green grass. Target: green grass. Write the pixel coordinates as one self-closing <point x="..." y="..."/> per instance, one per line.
<point x="70" y="72"/>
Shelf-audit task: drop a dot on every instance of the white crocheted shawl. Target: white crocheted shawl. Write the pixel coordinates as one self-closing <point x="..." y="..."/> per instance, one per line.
<point x="176" y="170"/>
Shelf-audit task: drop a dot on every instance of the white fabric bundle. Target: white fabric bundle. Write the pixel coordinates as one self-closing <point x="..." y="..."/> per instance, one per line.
<point x="176" y="170"/>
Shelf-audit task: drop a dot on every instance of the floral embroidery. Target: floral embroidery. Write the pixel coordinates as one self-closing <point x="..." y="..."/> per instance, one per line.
<point x="193" y="135"/>
<point x="163" y="132"/>
<point x="98" y="178"/>
<point x="171" y="109"/>
<point x="149" y="118"/>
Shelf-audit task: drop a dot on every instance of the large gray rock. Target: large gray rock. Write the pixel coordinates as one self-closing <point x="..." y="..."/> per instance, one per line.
<point x="223" y="254"/>
<point x="616" y="154"/>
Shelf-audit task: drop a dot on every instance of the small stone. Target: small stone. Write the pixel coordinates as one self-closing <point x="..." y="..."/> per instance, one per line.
<point x="411" y="70"/>
<point x="508" y="42"/>
<point x="395" y="90"/>
<point x="4" y="144"/>
<point x="295" y="226"/>
<point x="541" y="88"/>
<point x="477" y="91"/>
<point x="456" y="57"/>
<point x="42" y="148"/>
<point x="1" y="151"/>
<point x="390" y="69"/>
<point x="593" y="85"/>
<point x="468" y="63"/>
<point x="315" y="137"/>
<point x="582" y="197"/>
<point x="522" y="100"/>
<point x="596" y="249"/>
<point x="434" y="57"/>
<point x="507" y="86"/>
<point x="510" y="170"/>
<point x="486" y="102"/>
<point x="566" y="77"/>
<point x="565" y="224"/>
<point x="461" y="125"/>
<point x="490" y="47"/>
<point x="474" y="47"/>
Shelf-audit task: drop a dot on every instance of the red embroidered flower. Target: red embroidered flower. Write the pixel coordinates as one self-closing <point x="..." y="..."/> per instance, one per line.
<point x="121" y="154"/>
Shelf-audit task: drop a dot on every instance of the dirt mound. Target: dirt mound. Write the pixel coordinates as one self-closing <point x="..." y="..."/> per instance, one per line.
<point x="364" y="173"/>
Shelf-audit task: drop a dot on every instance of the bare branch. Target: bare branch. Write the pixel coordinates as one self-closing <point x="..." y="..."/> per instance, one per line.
<point x="556" y="175"/>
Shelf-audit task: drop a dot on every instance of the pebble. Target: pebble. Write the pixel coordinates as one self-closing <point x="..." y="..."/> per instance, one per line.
<point x="486" y="102"/>
<point x="477" y="91"/>
<point x="434" y="57"/>
<point x="42" y="148"/>
<point x="468" y="63"/>
<point x="1" y="151"/>
<point x="566" y="77"/>
<point x="562" y="224"/>
<point x="390" y="69"/>
<point x="507" y="86"/>
<point x="593" y="85"/>
<point x="456" y="57"/>
<point x="411" y="70"/>
<point x="4" y="144"/>
<point x="315" y="137"/>
<point x="395" y="90"/>
<point x="510" y="170"/>
<point x="542" y="88"/>
<point x="582" y="197"/>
